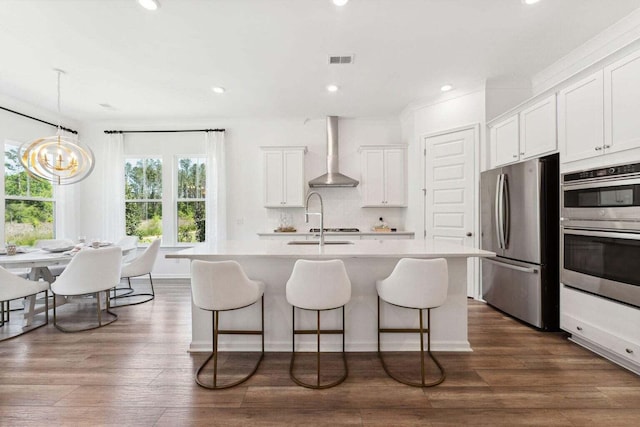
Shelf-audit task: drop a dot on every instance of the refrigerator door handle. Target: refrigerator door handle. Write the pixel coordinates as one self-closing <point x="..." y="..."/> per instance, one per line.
<point x="506" y="206"/>
<point x="498" y="210"/>
<point x="511" y="266"/>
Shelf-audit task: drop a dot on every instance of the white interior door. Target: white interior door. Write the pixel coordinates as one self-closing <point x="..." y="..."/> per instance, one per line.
<point x="450" y="206"/>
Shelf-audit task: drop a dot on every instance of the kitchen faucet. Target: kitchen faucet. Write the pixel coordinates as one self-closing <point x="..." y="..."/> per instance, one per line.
<point x="321" y="214"/>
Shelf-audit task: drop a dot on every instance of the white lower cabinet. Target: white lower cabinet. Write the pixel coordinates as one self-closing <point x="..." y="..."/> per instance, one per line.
<point x="605" y="327"/>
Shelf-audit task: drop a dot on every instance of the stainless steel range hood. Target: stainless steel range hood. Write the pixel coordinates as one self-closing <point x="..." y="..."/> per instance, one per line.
<point x="332" y="178"/>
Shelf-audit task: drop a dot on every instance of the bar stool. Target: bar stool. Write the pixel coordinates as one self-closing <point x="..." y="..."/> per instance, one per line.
<point x="415" y="284"/>
<point x="223" y="286"/>
<point x="318" y="286"/>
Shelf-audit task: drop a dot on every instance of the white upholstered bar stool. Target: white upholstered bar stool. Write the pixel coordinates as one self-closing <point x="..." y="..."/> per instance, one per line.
<point x="419" y="284"/>
<point x="318" y="286"/>
<point x="224" y="286"/>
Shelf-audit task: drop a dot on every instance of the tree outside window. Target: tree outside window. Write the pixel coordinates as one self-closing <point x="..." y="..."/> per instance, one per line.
<point x="143" y="198"/>
<point x="191" y="199"/>
<point x="29" y="203"/>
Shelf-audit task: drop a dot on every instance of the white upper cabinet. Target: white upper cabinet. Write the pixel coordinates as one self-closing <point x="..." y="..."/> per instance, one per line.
<point x="530" y="133"/>
<point x="622" y="104"/>
<point x="538" y="128"/>
<point x="505" y="141"/>
<point x="283" y="176"/>
<point x="581" y="119"/>
<point x="383" y="181"/>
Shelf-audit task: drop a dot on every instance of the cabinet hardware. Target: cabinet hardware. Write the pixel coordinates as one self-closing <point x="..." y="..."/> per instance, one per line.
<point x="628" y="350"/>
<point x="579" y="328"/>
<point x="522" y="154"/>
<point x="515" y="156"/>
<point x="598" y="148"/>
<point x="606" y="146"/>
<point x="469" y="234"/>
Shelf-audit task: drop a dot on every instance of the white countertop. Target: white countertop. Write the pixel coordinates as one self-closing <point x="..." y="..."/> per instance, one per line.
<point x="338" y="233"/>
<point x="227" y="249"/>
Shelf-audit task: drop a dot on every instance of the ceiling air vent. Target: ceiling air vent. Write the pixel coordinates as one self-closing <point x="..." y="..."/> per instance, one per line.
<point x="340" y="59"/>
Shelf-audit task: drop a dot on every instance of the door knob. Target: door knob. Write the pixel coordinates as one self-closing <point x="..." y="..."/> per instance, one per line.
<point x="469" y="234"/>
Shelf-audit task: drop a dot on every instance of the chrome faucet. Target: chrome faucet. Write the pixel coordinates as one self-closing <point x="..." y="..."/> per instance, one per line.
<point x="321" y="214"/>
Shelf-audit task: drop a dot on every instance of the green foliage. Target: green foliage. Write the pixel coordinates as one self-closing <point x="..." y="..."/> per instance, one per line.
<point x="26" y="220"/>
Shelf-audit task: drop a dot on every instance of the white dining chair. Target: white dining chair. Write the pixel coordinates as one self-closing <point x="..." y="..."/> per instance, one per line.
<point x="418" y="284"/>
<point x="128" y="244"/>
<point x="224" y="286"/>
<point x="12" y="288"/>
<point x="140" y="266"/>
<point x="91" y="271"/>
<point x="55" y="270"/>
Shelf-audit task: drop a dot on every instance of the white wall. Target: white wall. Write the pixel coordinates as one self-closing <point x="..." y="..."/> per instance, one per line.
<point x="454" y="111"/>
<point x="246" y="215"/>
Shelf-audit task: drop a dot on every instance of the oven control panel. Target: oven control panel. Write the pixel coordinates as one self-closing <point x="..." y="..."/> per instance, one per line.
<point x="632" y="168"/>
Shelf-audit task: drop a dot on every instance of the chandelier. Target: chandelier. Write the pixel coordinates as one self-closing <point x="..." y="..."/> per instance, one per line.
<point x="59" y="159"/>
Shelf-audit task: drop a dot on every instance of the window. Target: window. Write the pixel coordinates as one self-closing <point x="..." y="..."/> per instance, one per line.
<point x="143" y="198"/>
<point x="190" y="201"/>
<point x="29" y="203"/>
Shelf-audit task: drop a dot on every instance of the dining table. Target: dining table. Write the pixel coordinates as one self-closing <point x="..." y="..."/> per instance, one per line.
<point x="36" y="262"/>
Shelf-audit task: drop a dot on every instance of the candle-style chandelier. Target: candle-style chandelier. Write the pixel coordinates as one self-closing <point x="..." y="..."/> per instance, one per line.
<point x="59" y="159"/>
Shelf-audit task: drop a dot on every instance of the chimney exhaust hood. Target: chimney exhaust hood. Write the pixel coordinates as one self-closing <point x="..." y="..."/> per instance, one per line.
<point x="332" y="178"/>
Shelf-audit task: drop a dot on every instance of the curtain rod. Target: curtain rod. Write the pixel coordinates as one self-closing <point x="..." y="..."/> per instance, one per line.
<point x="163" y="131"/>
<point x="39" y="120"/>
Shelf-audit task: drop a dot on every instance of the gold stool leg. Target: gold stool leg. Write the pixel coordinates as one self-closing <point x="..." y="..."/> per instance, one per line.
<point x="318" y="331"/>
<point x="421" y="331"/>
<point x="216" y="332"/>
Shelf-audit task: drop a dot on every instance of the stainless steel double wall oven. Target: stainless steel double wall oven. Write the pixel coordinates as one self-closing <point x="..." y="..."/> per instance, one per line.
<point x="600" y="223"/>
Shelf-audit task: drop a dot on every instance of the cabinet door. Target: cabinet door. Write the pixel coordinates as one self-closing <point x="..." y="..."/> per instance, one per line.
<point x="273" y="178"/>
<point x="293" y="178"/>
<point x="373" y="177"/>
<point x="622" y="104"/>
<point x="394" y="177"/>
<point x="504" y="141"/>
<point x="581" y="119"/>
<point x="538" y="129"/>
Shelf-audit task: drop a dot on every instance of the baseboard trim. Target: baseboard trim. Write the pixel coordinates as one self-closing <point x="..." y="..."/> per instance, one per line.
<point x="453" y="346"/>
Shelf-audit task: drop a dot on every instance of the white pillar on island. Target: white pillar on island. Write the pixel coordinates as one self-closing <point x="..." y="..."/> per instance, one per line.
<point x="366" y="261"/>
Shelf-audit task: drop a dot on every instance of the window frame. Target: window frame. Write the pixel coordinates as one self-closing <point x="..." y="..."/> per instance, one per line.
<point x="169" y="200"/>
<point x="5" y="197"/>
<point x="177" y="199"/>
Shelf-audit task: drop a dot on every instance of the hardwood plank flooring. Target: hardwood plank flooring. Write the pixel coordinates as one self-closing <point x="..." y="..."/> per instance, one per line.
<point x="137" y="371"/>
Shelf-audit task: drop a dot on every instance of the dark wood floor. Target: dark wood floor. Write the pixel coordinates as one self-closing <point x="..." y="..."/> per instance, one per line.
<point x="137" y="372"/>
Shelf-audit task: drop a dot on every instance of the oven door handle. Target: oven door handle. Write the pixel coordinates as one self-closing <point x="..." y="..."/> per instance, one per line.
<point x="601" y="183"/>
<point x="593" y="233"/>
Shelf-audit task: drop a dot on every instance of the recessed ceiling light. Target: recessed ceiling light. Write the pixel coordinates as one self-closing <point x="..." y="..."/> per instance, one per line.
<point x="446" y="88"/>
<point x="530" y="1"/>
<point x="332" y="88"/>
<point x="218" y="89"/>
<point x="149" y="4"/>
<point x="340" y="2"/>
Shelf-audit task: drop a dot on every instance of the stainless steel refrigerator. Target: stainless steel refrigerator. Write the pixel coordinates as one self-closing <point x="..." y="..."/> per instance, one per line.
<point x="520" y="223"/>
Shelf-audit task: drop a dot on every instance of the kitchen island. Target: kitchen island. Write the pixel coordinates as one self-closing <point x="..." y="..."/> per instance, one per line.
<point x="366" y="261"/>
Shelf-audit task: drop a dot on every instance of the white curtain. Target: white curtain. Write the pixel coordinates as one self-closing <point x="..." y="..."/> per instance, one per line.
<point x="112" y="165"/>
<point x="216" y="212"/>
<point x="67" y="206"/>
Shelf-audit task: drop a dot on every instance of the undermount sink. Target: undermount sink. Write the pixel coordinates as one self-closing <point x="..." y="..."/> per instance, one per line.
<point x="315" y="242"/>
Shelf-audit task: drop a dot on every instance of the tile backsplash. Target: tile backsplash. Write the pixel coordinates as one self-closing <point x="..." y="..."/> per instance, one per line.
<point x="341" y="209"/>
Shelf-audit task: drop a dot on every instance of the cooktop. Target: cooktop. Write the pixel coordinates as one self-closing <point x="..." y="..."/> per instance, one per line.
<point x="335" y="230"/>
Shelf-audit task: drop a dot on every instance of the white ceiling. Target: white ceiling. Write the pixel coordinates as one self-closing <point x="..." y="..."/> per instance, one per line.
<point x="271" y="55"/>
